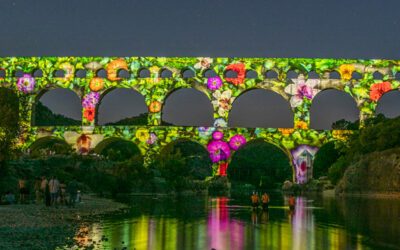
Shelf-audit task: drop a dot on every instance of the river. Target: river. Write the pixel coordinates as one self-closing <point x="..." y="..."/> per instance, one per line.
<point x="201" y="222"/>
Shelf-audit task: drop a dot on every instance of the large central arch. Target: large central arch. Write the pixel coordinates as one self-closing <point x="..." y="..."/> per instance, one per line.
<point x="261" y="164"/>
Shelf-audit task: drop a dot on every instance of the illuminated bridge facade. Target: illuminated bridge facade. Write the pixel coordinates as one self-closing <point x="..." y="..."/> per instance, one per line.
<point x="222" y="80"/>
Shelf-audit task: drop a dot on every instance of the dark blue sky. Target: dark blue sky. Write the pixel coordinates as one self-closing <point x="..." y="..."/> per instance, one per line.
<point x="257" y="28"/>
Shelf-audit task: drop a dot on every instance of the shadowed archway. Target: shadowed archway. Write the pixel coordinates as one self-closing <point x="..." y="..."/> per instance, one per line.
<point x="261" y="164"/>
<point x="49" y="146"/>
<point x="117" y="149"/>
<point x="191" y="159"/>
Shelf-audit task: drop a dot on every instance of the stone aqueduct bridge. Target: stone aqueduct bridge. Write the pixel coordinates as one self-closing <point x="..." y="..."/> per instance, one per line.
<point x="222" y="79"/>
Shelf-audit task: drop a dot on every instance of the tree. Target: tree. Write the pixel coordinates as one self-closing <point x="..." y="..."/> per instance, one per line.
<point x="45" y="117"/>
<point x="120" y="150"/>
<point x="325" y="157"/>
<point x="182" y="162"/>
<point x="9" y="110"/>
<point x="345" y="125"/>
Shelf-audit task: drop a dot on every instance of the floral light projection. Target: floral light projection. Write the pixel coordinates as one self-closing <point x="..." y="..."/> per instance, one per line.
<point x="346" y="71"/>
<point x="223" y="101"/>
<point x="214" y="83"/>
<point x="237" y="141"/>
<point x="89" y="103"/>
<point x="221" y="89"/>
<point x="203" y="63"/>
<point x="378" y="89"/>
<point x="301" y="89"/>
<point x="240" y="69"/>
<point x="26" y="83"/>
<point x="114" y="66"/>
<point x="96" y="84"/>
<point x="303" y="157"/>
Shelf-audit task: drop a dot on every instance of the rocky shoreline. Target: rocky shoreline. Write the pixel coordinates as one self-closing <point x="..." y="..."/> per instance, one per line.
<point x="35" y="226"/>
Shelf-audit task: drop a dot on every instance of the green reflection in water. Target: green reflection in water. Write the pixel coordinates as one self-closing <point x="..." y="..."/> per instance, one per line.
<point x="221" y="223"/>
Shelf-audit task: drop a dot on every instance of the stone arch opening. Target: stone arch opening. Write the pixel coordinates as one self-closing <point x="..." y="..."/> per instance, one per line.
<point x="188" y="73"/>
<point x="9" y="108"/>
<point x="324" y="158"/>
<point x="389" y="104"/>
<point x="118" y="149"/>
<point x="191" y="159"/>
<point x="57" y="107"/>
<point x="333" y="109"/>
<point x="49" y="145"/>
<point x="187" y="107"/>
<point x="260" y="108"/>
<point x="262" y="164"/>
<point x="122" y="106"/>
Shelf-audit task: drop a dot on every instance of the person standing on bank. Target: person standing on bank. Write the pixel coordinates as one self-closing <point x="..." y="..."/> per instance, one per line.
<point x="23" y="190"/>
<point x="292" y="202"/>
<point x="54" y="187"/>
<point x="37" y="188"/>
<point x="254" y="200"/>
<point x="72" y="190"/>
<point x="265" y="201"/>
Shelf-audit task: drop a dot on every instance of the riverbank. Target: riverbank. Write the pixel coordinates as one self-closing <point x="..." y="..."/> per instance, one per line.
<point x="38" y="227"/>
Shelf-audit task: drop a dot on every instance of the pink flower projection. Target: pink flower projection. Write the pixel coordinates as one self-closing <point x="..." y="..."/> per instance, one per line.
<point x="219" y="151"/>
<point x="26" y="83"/>
<point x="301" y="89"/>
<point x="90" y="100"/>
<point x="218" y="135"/>
<point x="214" y="83"/>
<point x="237" y="141"/>
<point x="152" y="139"/>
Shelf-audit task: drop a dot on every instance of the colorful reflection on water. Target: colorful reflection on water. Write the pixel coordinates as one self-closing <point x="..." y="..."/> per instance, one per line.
<point x="223" y="223"/>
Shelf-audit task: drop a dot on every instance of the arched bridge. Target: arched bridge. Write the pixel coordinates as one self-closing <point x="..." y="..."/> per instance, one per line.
<point x="222" y="80"/>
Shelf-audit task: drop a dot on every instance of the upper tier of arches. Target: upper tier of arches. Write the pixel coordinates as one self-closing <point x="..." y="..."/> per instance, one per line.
<point x="223" y="80"/>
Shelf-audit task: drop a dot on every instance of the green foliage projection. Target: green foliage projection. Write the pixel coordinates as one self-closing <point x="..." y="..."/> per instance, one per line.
<point x="9" y="118"/>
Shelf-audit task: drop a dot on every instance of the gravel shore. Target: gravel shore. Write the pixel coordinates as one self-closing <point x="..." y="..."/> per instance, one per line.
<point x="38" y="227"/>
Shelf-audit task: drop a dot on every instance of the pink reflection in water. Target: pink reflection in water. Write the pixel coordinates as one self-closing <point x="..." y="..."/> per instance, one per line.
<point x="223" y="233"/>
<point x="302" y="225"/>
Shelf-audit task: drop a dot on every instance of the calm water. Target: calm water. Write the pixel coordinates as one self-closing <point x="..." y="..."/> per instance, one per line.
<point x="223" y="223"/>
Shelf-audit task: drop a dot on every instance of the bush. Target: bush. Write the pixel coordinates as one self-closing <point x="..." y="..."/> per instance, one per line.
<point x="218" y="185"/>
<point x="95" y="173"/>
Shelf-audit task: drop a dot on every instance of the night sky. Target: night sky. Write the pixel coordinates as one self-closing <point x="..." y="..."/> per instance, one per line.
<point x="257" y="28"/>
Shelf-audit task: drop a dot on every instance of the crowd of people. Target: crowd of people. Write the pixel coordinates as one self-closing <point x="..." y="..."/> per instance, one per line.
<point x="50" y="192"/>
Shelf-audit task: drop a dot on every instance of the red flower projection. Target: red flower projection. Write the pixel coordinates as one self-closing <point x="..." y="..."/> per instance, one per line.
<point x="240" y="69"/>
<point x="378" y="89"/>
<point x="222" y="168"/>
<point x="89" y="114"/>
